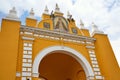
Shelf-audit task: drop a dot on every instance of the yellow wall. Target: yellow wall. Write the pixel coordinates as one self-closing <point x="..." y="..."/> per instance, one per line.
<point x="31" y="22"/>
<point x="106" y="59"/>
<point x="85" y="32"/>
<point x="9" y="38"/>
<point x="40" y="44"/>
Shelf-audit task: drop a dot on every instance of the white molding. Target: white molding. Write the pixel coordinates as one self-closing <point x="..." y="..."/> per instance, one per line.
<point x="69" y="51"/>
<point x="25" y="44"/>
<point x="99" y="77"/>
<point x="27" y="65"/>
<point x="35" y="74"/>
<point x="94" y="62"/>
<point x="27" y="56"/>
<point x="90" y="47"/>
<point x="12" y="19"/>
<point x="90" y="78"/>
<point x="29" y="52"/>
<point x="27" y="38"/>
<point x="29" y="60"/>
<point x="51" y="33"/>
<point x="30" y="45"/>
<point x="96" y="69"/>
<point x="27" y="48"/>
<point x="29" y="69"/>
<point x="92" y="56"/>
<point x="26" y="73"/>
<point x="23" y="78"/>
<point x="24" y="69"/>
<point x="95" y="65"/>
<point x="18" y="74"/>
<point x="25" y="52"/>
<point x="24" y="60"/>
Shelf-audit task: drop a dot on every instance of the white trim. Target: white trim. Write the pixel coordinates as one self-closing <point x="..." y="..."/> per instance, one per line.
<point x="90" y="47"/>
<point x="29" y="52"/>
<point x="99" y="77"/>
<point x="27" y="48"/>
<point x="27" y="65"/>
<point x="26" y="73"/>
<point x="27" y="38"/>
<point x="23" y="78"/>
<point x="18" y="74"/>
<point x="75" y="54"/>
<point x="35" y="74"/>
<point x="27" y="56"/>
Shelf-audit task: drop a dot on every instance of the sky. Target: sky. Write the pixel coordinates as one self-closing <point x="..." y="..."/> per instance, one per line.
<point x="104" y="13"/>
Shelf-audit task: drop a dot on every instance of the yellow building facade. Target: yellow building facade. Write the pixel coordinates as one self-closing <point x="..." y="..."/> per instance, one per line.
<point x="54" y="49"/>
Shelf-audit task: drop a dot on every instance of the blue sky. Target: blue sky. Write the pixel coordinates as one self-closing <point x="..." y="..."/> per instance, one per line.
<point x="104" y="13"/>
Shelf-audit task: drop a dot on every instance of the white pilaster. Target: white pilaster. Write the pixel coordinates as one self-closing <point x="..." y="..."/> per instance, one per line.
<point x="27" y="58"/>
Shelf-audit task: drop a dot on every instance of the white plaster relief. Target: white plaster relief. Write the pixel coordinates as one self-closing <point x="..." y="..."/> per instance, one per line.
<point x="36" y="35"/>
<point x="93" y="59"/>
<point x="94" y="62"/>
<point x="26" y="74"/>
<point x="23" y="78"/>
<point x="35" y="74"/>
<point x="27" y="38"/>
<point x="97" y="73"/>
<point x="25" y="44"/>
<point x="27" y="48"/>
<point x="27" y="65"/>
<point x="29" y="52"/>
<point x="30" y="45"/>
<point x="96" y="69"/>
<point x="18" y="74"/>
<point x="91" y="55"/>
<point x="24" y="52"/>
<point x="41" y="35"/>
<point x="24" y="60"/>
<point x="95" y="65"/>
<point x="29" y="33"/>
<point x="90" y="47"/>
<point x="29" y="69"/>
<point x="27" y="56"/>
<point x="24" y="69"/>
<point x="29" y="60"/>
<point x="99" y="77"/>
<point x="90" y="78"/>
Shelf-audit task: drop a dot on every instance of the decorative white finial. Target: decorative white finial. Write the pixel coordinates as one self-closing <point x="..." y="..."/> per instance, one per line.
<point x="95" y="29"/>
<point x="68" y="14"/>
<point x="57" y="9"/>
<point x="46" y="11"/>
<point x="82" y="24"/>
<point x="12" y="14"/>
<point x="31" y="14"/>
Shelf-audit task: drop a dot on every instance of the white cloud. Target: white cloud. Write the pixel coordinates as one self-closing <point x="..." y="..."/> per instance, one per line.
<point x="103" y="12"/>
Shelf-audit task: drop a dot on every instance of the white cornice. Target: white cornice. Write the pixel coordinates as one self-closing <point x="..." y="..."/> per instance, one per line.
<point x="27" y="38"/>
<point x="56" y="34"/>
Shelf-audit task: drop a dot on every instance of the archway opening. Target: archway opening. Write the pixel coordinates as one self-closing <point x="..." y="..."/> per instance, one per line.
<point x="60" y="66"/>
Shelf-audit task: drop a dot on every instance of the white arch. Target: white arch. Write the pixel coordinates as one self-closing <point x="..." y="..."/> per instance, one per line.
<point x="79" y="57"/>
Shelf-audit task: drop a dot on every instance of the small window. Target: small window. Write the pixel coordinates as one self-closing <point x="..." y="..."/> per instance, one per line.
<point x="74" y="30"/>
<point x="46" y="25"/>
